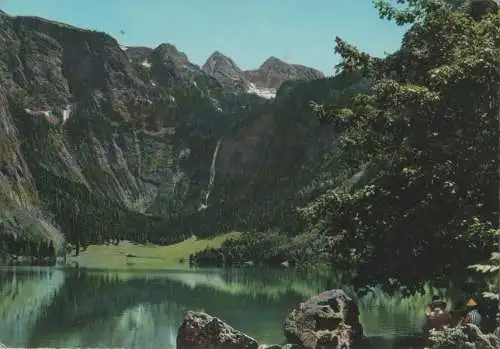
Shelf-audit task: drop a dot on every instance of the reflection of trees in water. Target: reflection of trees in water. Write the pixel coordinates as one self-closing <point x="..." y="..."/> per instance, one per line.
<point x="88" y="300"/>
<point x="144" y="309"/>
<point x="276" y="283"/>
<point x="24" y="293"/>
<point x="142" y="326"/>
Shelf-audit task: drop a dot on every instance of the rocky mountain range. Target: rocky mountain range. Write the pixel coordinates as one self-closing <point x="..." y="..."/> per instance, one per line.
<point x="97" y="139"/>
<point x="264" y="81"/>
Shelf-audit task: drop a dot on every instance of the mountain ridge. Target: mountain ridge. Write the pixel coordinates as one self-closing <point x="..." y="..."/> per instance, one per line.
<point x="264" y="81"/>
<point x="142" y="144"/>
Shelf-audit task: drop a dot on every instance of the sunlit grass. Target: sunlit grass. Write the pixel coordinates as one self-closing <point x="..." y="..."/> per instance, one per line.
<point x="382" y="314"/>
<point x="127" y="255"/>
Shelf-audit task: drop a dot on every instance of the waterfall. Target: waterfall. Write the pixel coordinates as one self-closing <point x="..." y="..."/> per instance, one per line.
<point x="211" y="173"/>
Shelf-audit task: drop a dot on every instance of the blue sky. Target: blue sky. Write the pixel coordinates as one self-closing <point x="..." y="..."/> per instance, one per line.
<point x="249" y="31"/>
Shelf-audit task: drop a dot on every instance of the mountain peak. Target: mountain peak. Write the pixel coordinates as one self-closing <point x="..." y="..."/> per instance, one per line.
<point x="219" y="60"/>
<point x="225" y="70"/>
<point x="269" y="76"/>
<point x="274" y="71"/>
<point x="169" y="51"/>
<point x="217" y="54"/>
<point x="271" y="61"/>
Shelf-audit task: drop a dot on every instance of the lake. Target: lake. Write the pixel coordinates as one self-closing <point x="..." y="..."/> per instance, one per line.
<point x="55" y="307"/>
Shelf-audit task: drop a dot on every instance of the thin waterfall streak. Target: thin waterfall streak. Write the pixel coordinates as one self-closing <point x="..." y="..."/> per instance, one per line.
<point x="211" y="179"/>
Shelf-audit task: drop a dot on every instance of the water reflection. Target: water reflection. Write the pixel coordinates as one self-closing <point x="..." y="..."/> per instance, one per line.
<point x="68" y="308"/>
<point x="24" y="293"/>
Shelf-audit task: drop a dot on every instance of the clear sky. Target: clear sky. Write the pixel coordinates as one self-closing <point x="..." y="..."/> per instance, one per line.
<point x="249" y="31"/>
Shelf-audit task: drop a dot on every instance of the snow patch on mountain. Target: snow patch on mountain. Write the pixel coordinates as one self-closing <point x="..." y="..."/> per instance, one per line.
<point x="268" y="93"/>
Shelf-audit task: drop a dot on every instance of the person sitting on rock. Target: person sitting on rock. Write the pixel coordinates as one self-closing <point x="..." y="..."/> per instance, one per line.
<point x="472" y="315"/>
<point x="437" y="317"/>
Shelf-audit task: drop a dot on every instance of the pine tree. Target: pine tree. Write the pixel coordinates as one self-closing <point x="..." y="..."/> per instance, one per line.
<point x="51" y="252"/>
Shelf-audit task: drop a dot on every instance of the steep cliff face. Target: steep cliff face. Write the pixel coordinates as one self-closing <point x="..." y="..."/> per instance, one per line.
<point x="88" y="126"/>
<point x="20" y="205"/>
<point x="75" y="106"/>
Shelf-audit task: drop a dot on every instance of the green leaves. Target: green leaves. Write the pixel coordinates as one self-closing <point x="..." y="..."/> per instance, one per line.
<point x="430" y="126"/>
<point x="484" y="268"/>
<point x="354" y="60"/>
<point x="490" y="269"/>
<point x="414" y="11"/>
<point x="491" y="295"/>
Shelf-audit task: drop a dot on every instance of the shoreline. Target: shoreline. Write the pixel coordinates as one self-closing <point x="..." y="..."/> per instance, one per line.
<point x="127" y="255"/>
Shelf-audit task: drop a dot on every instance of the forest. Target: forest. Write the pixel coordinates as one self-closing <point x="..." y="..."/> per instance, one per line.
<point x="423" y="144"/>
<point x="412" y="178"/>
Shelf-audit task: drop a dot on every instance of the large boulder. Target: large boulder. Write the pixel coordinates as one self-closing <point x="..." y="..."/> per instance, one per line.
<point x="468" y="336"/>
<point x="327" y="320"/>
<point x="202" y="331"/>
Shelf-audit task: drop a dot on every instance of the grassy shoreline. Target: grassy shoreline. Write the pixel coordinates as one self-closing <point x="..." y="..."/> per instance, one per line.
<point x="128" y="255"/>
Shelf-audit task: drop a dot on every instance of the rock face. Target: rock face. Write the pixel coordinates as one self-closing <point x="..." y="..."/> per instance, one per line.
<point x="274" y="72"/>
<point x="467" y="337"/>
<point x="106" y="133"/>
<point x="264" y="81"/>
<point x="227" y="73"/>
<point x="202" y="331"/>
<point x="327" y="320"/>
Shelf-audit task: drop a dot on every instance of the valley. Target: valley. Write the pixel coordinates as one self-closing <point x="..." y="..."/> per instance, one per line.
<point x="147" y="182"/>
<point x="106" y="142"/>
<point x="132" y="256"/>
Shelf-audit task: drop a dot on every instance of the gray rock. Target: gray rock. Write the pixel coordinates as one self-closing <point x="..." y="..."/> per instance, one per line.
<point x="202" y="331"/>
<point x="270" y="75"/>
<point x="327" y="320"/>
<point x="225" y="70"/>
<point x="481" y="340"/>
<point x="274" y="72"/>
<point x="116" y="121"/>
<point x="464" y="337"/>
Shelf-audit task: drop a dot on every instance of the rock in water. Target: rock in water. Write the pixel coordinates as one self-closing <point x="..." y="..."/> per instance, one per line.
<point x="327" y="320"/>
<point x="202" y="331"/>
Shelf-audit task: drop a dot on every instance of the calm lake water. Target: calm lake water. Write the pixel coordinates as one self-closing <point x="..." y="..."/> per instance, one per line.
<point x="48" y="307"/>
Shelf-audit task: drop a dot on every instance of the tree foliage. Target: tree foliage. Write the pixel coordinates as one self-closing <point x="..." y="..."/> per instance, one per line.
<point x="430" y="128"/>
<point x="491" y="268"/>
